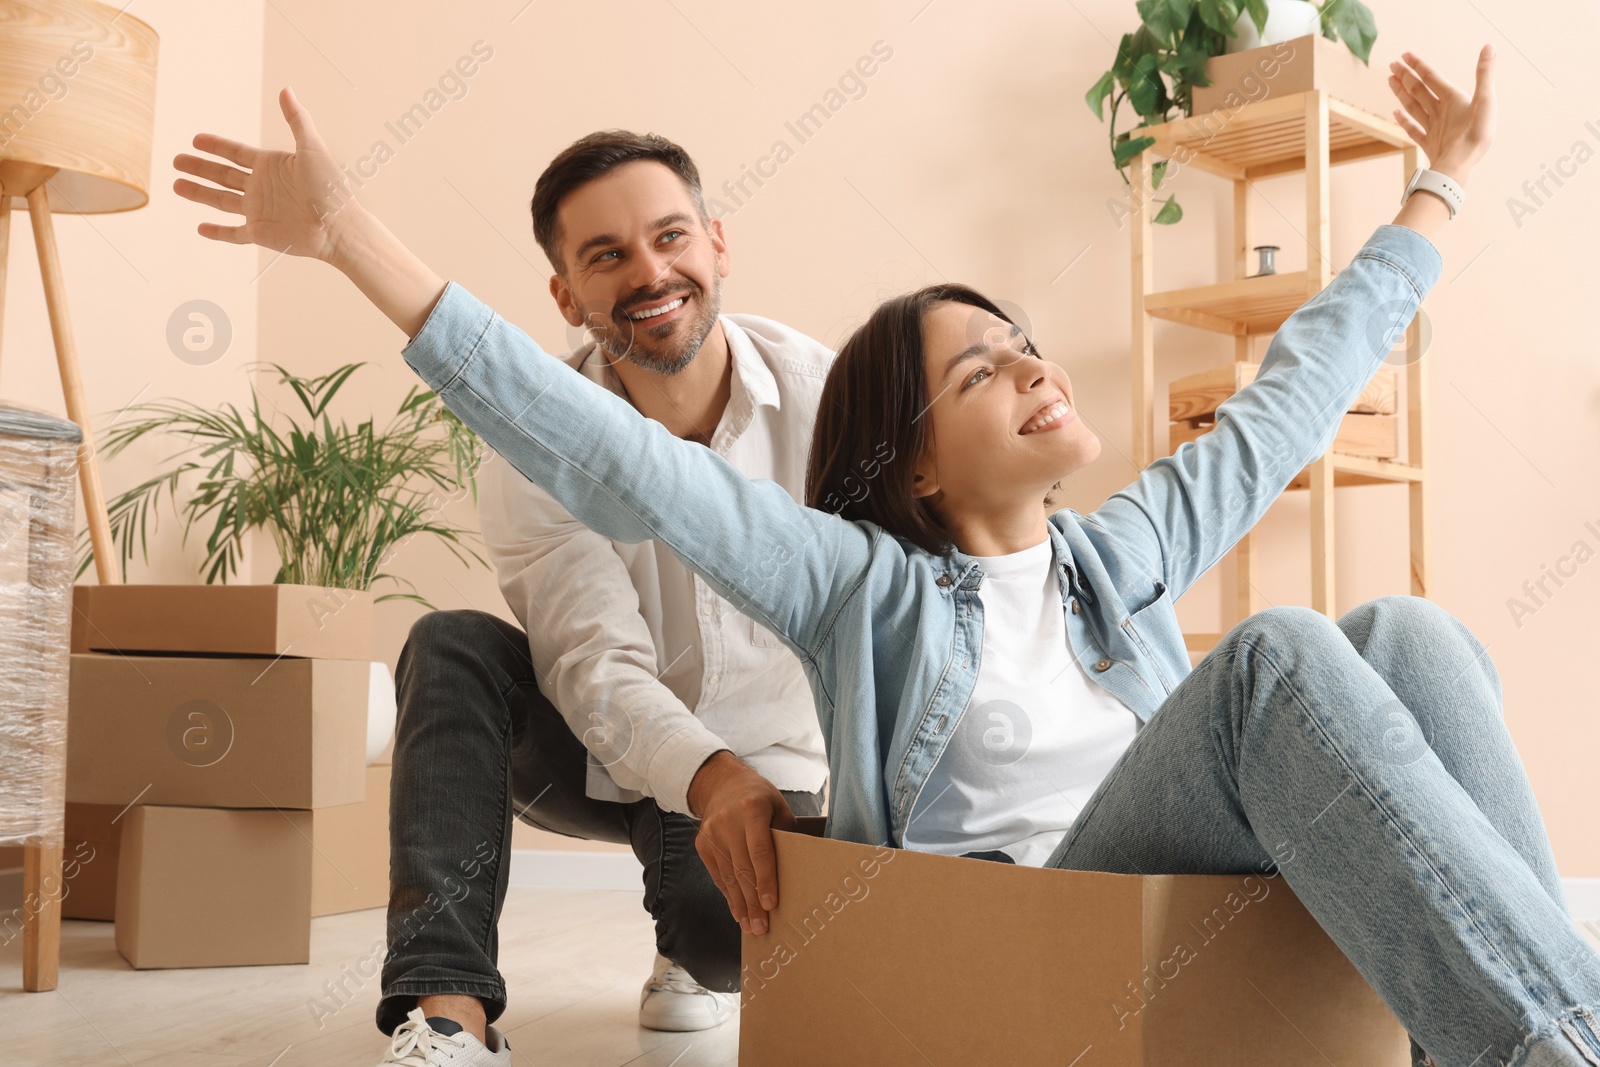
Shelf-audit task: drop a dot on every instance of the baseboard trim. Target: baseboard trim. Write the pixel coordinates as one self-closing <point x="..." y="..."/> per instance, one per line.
<point x="536" y="868"/>
<point x="1583" y="897"/>
<point x="541" y="868"/>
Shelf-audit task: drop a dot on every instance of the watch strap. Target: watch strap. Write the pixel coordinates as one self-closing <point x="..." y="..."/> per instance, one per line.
<point x="1439" y="184"/>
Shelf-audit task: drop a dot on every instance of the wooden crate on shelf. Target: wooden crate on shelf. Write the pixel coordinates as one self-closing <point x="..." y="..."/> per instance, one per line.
<point x="1370" y="428"/>
<point x="1373" y="436"/>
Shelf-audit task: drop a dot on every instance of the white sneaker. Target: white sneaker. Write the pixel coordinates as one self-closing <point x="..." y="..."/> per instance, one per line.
<point x="671" y="1000"/>
<point x="423" y="1041"/>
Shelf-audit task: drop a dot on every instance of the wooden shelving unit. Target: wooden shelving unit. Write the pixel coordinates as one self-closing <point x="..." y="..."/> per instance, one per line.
<point x="1312" y="133"/>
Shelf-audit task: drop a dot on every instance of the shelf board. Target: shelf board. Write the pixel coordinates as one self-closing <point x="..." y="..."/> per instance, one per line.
<point x="1269" y="137"/>
<point x="1361" y="470"/>
<point x="1244" y="307"/>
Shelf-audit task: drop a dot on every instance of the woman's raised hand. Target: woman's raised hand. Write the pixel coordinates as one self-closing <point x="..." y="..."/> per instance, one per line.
<point x="1453" y="129"/>
<point x="291" y="201"/>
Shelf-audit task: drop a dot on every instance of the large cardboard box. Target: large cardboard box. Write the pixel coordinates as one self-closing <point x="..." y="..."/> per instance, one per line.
<point x="887" y="957"/>
<point x="89" y="860"/>
<point x="1294" y="66"/>
<point x="214" y="887"/>
<point x="350" y="851"/>
<point x="237" y="620"/>
<point x="216" y="732"/>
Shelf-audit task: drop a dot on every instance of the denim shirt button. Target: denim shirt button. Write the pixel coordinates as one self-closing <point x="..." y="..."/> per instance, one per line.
<point x="1074" y="603"/>
<point x="943" y="579"/>
<point x="1104" y="664"/>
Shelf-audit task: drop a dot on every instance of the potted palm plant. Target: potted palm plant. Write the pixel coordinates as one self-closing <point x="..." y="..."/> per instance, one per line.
<point x="1158" y="65"/>
<point x="338" y="500"/>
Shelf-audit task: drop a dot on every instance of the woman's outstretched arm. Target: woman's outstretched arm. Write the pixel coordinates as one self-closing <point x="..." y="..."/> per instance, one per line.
<point x="1185" y="511"/>
<point x="621" y="474"/>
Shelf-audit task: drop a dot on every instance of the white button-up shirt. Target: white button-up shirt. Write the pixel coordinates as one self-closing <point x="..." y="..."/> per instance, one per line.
<point x="650" y="667"/>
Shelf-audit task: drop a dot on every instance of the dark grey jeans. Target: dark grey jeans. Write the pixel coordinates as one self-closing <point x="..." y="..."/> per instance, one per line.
<point x="477" y="744"/>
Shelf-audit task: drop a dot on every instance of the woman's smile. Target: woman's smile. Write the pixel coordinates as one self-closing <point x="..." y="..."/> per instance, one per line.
<point x="1052" y="417"/>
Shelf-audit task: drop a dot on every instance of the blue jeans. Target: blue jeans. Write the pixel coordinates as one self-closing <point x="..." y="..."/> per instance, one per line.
<point x="1368" y="762"/>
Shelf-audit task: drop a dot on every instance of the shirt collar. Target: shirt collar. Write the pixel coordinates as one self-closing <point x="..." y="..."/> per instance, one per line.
<point x="750" y="372"/>
<point x="753" y="383"/>
<point x="961" y="571"/>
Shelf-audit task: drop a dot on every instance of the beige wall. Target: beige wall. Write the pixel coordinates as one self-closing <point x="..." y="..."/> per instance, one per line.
<point x="971" y="156"/>
<point x="126" y="273"/>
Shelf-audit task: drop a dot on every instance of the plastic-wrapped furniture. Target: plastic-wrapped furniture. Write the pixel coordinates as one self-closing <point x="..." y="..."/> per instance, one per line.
<point x="38" y="480"/>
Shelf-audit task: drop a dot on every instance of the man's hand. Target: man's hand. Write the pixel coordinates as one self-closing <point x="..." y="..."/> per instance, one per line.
<point x="738" y="810"/>
<point x="1453" y="130"/>
<point x="291" y="201"/>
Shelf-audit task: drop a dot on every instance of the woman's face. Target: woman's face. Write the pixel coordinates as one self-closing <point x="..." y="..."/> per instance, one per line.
<point x="1003" y="428"/>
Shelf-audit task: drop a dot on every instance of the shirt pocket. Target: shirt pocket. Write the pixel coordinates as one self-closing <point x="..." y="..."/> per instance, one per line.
<point x="1146" y="626"/>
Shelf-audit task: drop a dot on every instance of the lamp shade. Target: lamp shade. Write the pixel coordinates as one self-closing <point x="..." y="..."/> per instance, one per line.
<point x="78" y="93"/>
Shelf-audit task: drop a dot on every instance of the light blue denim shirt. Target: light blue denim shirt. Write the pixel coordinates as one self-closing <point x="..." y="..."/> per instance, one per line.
<point x="890" y="634"/>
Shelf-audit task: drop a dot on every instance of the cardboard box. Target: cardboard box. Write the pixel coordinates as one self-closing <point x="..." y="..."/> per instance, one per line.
<point x="237" y="620"/>
<point x="216" y="732"/>
<point x="89" y="861"/>
<point x="1294" y="66"/>
<point x="888" y="957"/>
<point x="214" y="887"/>
<point x="350" y="856"/>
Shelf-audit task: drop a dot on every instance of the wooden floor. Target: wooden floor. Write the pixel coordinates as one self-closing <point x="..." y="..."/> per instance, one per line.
<point x="573" y="963"/>
<point x="573" y="960"/>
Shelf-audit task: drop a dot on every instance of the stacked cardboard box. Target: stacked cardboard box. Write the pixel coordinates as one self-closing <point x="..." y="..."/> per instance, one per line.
<point x="217" y="787"/>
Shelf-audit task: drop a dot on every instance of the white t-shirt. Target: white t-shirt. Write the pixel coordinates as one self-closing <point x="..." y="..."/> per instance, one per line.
<point x="1038" y="735"/>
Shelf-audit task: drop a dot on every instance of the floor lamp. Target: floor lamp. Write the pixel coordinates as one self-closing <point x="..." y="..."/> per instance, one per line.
<point x="77" y="111"/>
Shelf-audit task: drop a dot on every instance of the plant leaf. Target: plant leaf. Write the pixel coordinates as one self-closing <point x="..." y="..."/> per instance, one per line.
<point x="1122" y="64"/>
<point x="1165" y="18"/>
<point x="1158" y="172"/>
<point x="1095" y="97"/>
<point x="1170" y="212"/>
<point x="1190" y="62"/>
<point x="1220" y="15"/>
<point x="1127" y="150"/>
<point x="1147" y="92"/>
<point x="1258" y="13"/>
<point x="1354" y="24"/>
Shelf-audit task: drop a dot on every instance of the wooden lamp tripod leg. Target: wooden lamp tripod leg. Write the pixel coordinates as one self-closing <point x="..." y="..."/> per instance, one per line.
<point x="55" y="297"/>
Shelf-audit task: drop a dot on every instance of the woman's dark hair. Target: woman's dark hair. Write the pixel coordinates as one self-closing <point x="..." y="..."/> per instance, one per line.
<point x="592" y="156"/>
<point x="870" y="426"/>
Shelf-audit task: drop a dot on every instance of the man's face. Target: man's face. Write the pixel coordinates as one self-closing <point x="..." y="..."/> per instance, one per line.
<point x="643" y="272"/>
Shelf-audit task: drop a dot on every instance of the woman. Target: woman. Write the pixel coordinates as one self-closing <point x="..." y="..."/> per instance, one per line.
<point x="942" y="431"/>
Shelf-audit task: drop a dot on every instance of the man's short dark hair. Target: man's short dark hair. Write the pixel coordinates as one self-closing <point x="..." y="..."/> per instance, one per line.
<point x="591" y="157"/>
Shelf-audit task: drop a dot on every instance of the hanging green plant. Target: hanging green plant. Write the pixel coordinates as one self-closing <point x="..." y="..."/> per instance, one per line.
<point x="1158" y="65"/>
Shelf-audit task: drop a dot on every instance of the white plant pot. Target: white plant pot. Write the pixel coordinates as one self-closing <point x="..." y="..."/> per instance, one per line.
<point x="381" y="710"/>
<point x="1286" y="20"/>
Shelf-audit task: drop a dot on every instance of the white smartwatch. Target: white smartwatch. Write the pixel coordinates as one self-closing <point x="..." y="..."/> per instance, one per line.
<point x="1433" y="182"/>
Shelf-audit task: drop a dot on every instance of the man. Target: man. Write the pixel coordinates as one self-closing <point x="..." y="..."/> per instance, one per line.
<point x="637" y="697"/>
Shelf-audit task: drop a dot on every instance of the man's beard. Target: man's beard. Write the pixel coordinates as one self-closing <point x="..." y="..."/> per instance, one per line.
<point x="626" y="339"/>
